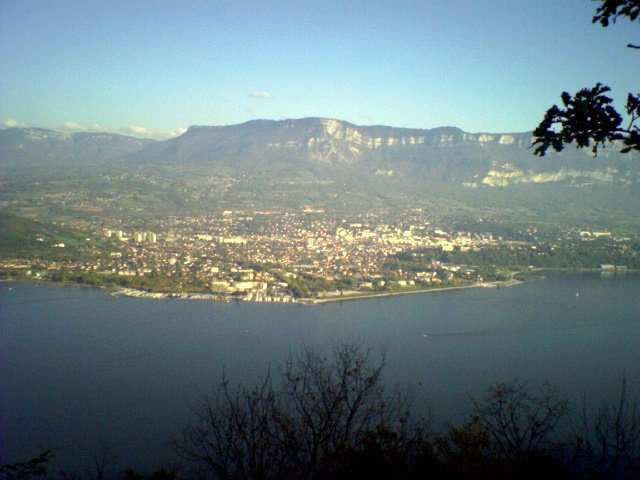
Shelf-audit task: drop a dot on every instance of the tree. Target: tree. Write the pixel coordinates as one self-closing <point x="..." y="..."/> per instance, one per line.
<point x="465" y="451"/>
<point x="320" y="414"/>
<point x="34" y="467"/>
<point x="588" y="117"/>
<point x="518" y="421"/>
<point x="234" y="434"/>
<point x="609" y="446"/>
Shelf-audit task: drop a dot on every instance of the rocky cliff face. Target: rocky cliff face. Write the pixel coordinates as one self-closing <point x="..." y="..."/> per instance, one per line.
<point x="333" y="149"/>
<point x="329" y="140"/>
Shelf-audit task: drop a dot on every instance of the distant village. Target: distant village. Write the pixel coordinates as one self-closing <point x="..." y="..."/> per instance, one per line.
<point x="282" y="257"/>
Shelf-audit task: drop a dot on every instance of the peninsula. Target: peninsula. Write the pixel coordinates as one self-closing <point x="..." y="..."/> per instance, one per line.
<point x="307" y="256"/>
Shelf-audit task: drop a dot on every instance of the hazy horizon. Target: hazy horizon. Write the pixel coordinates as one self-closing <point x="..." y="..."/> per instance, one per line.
<point x="152" y="69"/>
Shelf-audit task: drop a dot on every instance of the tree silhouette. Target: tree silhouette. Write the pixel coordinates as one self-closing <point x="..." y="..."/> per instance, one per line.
<point x="332" y="418"/>
<point x="588" y="117"/>
<point x="35" y="467"/>
<point x="520" y="421"/>
<point x="317" y="418"/>
<point x="609" y="443"/>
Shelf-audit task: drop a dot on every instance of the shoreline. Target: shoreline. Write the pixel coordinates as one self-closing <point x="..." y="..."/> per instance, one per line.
<point x="142" y="294"/>
<point x="133" y="293"/>
<point x="516" y="279"/>
<point x="498" y="284"/>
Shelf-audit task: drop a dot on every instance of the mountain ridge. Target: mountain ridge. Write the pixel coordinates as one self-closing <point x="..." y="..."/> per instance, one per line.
<point x="328" y="148"/>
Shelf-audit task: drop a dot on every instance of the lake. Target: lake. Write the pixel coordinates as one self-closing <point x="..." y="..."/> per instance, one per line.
<point x="94" y="375"/>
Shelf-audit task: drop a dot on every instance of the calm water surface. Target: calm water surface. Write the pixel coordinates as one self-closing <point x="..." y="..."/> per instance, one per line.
<point x="93" y="375"/>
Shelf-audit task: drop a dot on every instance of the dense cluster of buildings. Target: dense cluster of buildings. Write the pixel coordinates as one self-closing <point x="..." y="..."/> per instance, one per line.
<point x="260" y="256"/>
<point x="269" y="256"/>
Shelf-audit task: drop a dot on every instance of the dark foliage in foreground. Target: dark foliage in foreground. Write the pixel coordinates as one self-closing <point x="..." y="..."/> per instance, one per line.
<point x="320" y="418"/>
<point x="589" y="118"/>
<point x="333" y="418"/>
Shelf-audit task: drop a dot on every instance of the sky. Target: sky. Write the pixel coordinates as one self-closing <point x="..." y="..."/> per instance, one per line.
<point x="153" y="68"/>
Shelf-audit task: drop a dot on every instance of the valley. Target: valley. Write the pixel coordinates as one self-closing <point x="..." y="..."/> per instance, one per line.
<point x="311" y="208"/>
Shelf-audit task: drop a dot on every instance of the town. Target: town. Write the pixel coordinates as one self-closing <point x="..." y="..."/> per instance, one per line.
<point x="307" y="255"/>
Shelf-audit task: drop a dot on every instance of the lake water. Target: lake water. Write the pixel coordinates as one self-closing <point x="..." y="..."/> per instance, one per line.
<point x="93" y="375"/>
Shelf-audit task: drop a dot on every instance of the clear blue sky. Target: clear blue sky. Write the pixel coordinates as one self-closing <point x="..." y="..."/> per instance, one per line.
<point x="155" y="67"/>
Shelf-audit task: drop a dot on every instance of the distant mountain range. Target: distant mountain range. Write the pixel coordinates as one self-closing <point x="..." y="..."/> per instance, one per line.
<point x="329" y="149"/>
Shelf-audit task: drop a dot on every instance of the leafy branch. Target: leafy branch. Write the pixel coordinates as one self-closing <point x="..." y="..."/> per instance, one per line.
<point x="589" y="119"/>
